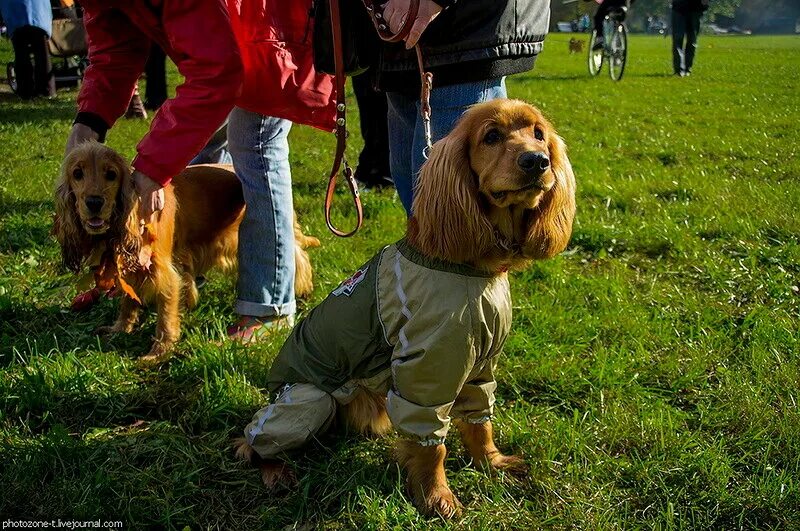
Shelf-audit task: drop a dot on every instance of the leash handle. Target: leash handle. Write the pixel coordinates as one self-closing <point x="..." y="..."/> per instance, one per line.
<point x="382" y="27"/>
<point x="341" y="132"/>
<point x="376" y="15"/>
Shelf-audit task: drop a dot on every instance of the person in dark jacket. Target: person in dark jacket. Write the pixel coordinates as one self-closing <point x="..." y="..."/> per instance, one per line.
<point x="373" y="161"/>
<point x="470" y="46"/>
<point x="29" y="24"/>
<point x="155" y="70"/>
<point x="685" y="28"/>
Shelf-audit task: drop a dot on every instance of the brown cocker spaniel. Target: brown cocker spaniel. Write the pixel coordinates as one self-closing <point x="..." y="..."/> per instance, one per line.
<point x="98" y="225"/>
<point x="497" y="193"/>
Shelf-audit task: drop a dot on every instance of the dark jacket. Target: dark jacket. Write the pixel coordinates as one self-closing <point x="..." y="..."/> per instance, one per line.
<point x="470" y="40"/>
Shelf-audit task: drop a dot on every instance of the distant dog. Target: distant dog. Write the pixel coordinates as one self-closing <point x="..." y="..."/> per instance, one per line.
<point x="97" y="224"/>
<point x="575" y="45"/>
<point x="411" y="340"/>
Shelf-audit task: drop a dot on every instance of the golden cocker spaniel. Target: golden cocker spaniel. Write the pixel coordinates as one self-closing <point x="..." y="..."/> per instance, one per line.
<point x="97" y="224"/>
<point x="496" y="193"/>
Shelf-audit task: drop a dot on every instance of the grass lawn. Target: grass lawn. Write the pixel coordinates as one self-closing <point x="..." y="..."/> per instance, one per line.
<point x="652" y="375"/>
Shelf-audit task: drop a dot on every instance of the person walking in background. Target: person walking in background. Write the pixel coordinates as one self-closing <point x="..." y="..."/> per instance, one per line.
<point x="135" y="106"/>
<point x="29" y="24"/>
<point x="155" y="70"/>
<point x="685" y="28"/>
<point x="373" y="161"/>
<point x="470" y="47"/>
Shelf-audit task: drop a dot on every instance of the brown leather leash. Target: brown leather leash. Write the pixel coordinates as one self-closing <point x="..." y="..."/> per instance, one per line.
<point x="341" y="131"/>
<point x="382" y="27"/>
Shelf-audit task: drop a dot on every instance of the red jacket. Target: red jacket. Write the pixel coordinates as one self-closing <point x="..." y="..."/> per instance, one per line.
<point x="196" y="35"/>
<point x="279" y="78"/>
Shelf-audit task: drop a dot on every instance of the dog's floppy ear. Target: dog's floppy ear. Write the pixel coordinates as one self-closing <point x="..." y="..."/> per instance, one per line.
<point x="125" y="225"/>
<point x="448" y="221"/>
<point x="67" y="226"/>
<point x="551" y="223"/>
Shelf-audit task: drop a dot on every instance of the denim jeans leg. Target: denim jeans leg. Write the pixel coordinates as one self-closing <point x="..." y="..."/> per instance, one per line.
<point x="259" y="147"/>
<point x="402" y="120"/>
<point x="448" y="103"/>
<point x="216" y="149"/>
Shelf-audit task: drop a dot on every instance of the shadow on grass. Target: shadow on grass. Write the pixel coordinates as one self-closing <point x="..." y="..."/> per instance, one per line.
<point x="39" y="111"/>
<point x="656" y="74"/>
<point x="27" y="329"/>
<point x="19" y="228"/>
<point x="149" y="473"/>
<point x="11" y="205"/>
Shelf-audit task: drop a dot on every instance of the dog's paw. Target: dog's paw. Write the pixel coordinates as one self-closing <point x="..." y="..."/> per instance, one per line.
<point x="512" y="464"/>
<point x="159" y="353"/>
<point x="113" y="329"/>
<point x="277" y="475"/>
<point x="441" y="501"/>
<point x="105" y="330"/>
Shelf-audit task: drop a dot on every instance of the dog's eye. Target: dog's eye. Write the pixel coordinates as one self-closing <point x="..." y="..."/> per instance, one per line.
<point x="77" y="174"/>
<point x="538" y="133"/>
<point x="111" y="175"/>
<point x="493" y="136"/>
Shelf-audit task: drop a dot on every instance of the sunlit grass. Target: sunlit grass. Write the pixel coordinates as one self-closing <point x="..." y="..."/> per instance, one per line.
<point x="652" y="374"/>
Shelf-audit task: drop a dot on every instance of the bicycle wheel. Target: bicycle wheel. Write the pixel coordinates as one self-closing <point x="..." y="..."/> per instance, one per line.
<point x="619" y="52"/>
<point x="595" y="58"/>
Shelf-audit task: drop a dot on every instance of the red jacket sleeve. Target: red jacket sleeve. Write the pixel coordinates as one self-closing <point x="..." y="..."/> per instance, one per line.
<point x="207" y="56"/>
<point x="117" y="54"/>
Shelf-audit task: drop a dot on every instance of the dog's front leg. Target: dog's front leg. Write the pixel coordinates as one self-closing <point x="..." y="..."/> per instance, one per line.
<point x="168" y="323"/>
<point x="479" y="441"/>
<point x="126" y="319"/>
<point x="426" y="481"/>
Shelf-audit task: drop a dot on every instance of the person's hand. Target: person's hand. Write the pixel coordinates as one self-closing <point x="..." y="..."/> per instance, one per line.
<point x="151" y="195"/>
<point x="395" y="14"/>
<point x="80" y="133"/>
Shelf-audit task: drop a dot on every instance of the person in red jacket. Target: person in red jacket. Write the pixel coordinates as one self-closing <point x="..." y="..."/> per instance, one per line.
<point x="197" y="36"/>
<point x="280" y="87"/>
<point x="256" y="54"/>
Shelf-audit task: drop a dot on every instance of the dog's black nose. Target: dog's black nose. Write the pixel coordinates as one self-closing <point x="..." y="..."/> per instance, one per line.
<point x="94" y="203"/>
<point x="533" y="162"/>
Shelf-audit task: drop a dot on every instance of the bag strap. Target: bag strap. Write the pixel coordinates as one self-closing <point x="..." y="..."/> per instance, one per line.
<point x="341" y="131"/>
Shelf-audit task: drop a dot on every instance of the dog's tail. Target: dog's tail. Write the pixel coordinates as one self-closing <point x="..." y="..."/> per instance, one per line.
<point x="304" y="276"/>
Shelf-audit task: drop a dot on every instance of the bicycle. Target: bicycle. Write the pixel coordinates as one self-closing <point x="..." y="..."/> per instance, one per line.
<point x="615" y="44"/>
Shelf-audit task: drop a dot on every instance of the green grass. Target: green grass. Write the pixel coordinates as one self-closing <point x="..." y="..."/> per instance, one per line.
<point x="652" y="375"/>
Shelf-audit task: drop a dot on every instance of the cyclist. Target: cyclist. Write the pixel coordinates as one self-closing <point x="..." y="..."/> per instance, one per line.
<point x="605" y="7"/>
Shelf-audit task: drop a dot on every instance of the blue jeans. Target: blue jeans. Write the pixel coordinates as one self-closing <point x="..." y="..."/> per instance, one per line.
<point x="407" y="136"/>
<point x="259" y="147"/>
<point x="216" y="149"/>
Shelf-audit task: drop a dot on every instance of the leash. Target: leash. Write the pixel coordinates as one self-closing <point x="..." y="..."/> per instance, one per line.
<point x="340" y="132"/>
<point x="426" y="78"/>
